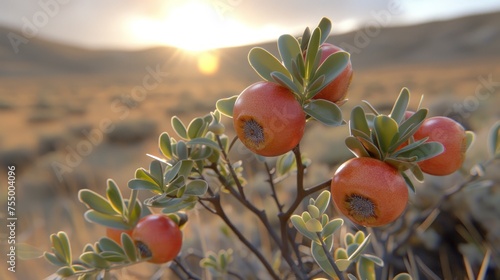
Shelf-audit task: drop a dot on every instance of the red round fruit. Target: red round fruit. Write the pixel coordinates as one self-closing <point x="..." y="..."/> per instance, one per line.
<point x="336" y="90"/>
<point x="268" y="119"/>
<point x="453" y="137"/>
<point x="369" y="192"/>
<point x="116" y="234"/>
<point x="158" y="237"/>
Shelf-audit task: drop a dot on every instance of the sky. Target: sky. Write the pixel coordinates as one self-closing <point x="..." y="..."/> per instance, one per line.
<point x="205" y="24"/>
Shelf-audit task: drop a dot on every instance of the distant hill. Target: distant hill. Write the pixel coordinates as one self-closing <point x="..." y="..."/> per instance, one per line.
<point x="469" y="38"/>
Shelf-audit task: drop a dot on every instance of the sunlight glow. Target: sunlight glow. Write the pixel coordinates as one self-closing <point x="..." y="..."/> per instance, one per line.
<point x="197" y="26"/>
<point x="208" y="63"/>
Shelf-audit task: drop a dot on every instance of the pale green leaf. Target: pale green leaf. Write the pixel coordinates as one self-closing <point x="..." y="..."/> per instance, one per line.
<point x="321" y="259"/>
<point x="331" y="227"/>
<point x="324" y="111"/>
<point x="225" y="105"/>
<point x="400" y="106"/>
<point x="355" y="146"/>
<point x="194" y="127"/>
<point x="96" y="202"/>
<point x="94" y="260"/>
<point x="494" y="140"/>
<point x="114" y="196"/>
<point x="323" y="201"/>
<point x="264" y="63"/>
<point x="165" y="145"/>
<point x="179" y="127"/>
<point x="365" y="269"/>
<point x="289" y="48"/>
<point x="385" y="130"/>
<point x="299" y="224"/>
<point x="106" y="220"/>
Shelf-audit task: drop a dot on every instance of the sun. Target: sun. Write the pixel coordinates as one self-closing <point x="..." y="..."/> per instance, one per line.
<point x="208" y="62"/>
<point x="191" y="25"/>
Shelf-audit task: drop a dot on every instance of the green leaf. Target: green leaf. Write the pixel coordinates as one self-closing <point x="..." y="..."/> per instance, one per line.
<point x="413" y="122"/>
<point x="304" y="40"/>
<point x="201" y="153"/>
<point x="323" y="201"/>
<point x="182" y="150"/>
<point x="355" y="146"/>
<point x="332" y="67"/>
<point x="417" y="172"/>
<point x="341" y="253"/>
<point x="96" y="202"/>
<point x="371" y="148"/>
<point x="343" y="264"/>
<point x="469" y="137"/>
<point x="289" y="48"/>
<point x="385" y="130"/>
<point x="324" y="111"/>
<point x="365" y="269"/>
<point x="408" y="181"/>
<point x="65" y="272"/>
<point x="94" y="260"/>
<point x="185" y="168"/>
<point x="225" y="105"/>
<point x="138" y="184"/>
<point x="106" y="220"/>
<point x="374" y="259"/>
<point x="400" y="106"/>
<point x="360" y="248"/>
<point x="494" y="140"/>
<point x="331" y="227"/>
<point x="313" y="225"/>
<point x="115" y="196"/>
<point x="196" y="187"/>
<point x="142" y="174"/>
<point x="321" y="259"/>
<point x="204" y="141"/>
<point x="285" y="163"/>
<point x="109" y="245"/>
<point x="113" y="257"/>
<point x="156" y="171"/>
<point x="172" y="172"/>
<point x="165" y="145"/>
<point x="129" y="247"/>
<point x="179" y="127"/>
<point x="312" y="58"/>
<point x="194" y="127"/>
<point x="64" y="242"/>
<point x="402" y="276"/>
<point x="177" y="204"/>
<point x="422" y="152"/>
<point x="314" y="211"/>
<point x="285" y="81"/>
<point x="300" y="225"/>
<point x="28" y="252"/>
<point x="359" y="237"/>
<point x="53" y="259"/>
<point x="358" y="121"/>
<point x="326" y="26"/>
<point x="264" y="63"/>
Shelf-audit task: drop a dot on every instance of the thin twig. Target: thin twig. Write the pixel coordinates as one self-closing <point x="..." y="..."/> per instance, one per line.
<point x="190" y="275"/>
<point x="330" y="257"/>
<point x="273" y="187"/>
<point x="222" y="214"/>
